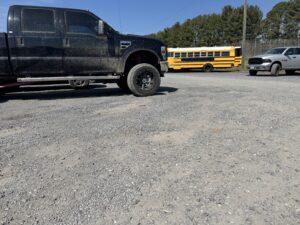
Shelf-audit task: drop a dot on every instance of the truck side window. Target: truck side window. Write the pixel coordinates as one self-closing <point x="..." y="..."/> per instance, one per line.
<point x="83" y="23"/>
<point x="298" y="51"/>
<point x="38" y="20"/>
<point x="290" y="52"/>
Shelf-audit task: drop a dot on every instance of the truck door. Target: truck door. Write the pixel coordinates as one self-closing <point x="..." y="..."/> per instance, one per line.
<point x="38" y="43"/>
<point x="85" y="51"/>
<point x="292" y="59"/>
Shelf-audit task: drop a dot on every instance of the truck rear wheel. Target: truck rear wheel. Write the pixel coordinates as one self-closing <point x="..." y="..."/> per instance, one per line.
<point x="143" y="80"/>
<point x="79" y="84"/>
<point x="275" y="70"/>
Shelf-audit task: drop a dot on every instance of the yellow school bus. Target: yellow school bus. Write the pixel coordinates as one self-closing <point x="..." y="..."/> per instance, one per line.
<point x="205" y="58"/>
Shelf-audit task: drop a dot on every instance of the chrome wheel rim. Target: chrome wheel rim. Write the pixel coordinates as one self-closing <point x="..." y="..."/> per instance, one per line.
<point x="145" y="81"/>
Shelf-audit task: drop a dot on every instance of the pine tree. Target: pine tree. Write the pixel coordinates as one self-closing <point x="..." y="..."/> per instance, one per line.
<point x="214" y="29"/>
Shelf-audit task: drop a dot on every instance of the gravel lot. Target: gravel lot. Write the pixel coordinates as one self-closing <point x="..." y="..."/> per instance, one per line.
<point x="221" y="148"/>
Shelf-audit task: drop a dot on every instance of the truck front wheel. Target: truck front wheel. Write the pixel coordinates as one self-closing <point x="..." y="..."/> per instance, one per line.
<point x="275" y="69"/>
<point x="143" y="80"/>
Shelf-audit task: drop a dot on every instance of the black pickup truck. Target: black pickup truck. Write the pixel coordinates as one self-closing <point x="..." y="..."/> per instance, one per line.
<point x="44" y="44"/>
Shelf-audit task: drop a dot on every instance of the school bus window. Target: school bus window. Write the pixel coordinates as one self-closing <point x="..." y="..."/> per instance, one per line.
<point x="210" y="54"/>
<point x="183" y="55"/>
<point x="197" y="54"/>
<point x="177" y="55"/>
<point x="225" y="54"/>
<point x="203" y="54"/>
<point x="238" y="52"/>
<point x="217" y="54"/>
<point x="190" y="54"/>
<point x="171" y="54"/>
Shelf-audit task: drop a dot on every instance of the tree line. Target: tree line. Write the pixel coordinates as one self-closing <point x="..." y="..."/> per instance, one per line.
<point x="282" y="22"/>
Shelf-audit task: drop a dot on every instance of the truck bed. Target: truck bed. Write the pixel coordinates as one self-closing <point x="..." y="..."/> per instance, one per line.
<point x="4" y="60"/>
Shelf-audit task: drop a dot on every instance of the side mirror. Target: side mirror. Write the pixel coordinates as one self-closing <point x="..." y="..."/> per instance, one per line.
<point x="100" y="27"/>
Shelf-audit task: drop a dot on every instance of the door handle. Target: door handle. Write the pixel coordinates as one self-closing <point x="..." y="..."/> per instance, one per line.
<point x="20" y="42"/>
<point x="66" y="43"/>
<point x="294" y="57"/>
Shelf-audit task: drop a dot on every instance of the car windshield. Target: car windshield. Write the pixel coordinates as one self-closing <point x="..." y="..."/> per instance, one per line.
<point x="276" y="51"/>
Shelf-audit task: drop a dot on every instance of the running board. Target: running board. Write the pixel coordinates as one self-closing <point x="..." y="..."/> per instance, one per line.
<point x="47" y="79"/>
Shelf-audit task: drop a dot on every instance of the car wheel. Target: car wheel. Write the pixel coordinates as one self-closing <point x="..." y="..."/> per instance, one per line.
<point x="143" y="80"/>
<point x="275" y="70"/>
<point x="79" y="84"/>
<point x="208" y="68"/>
<point x="290" y="72"/>
<point x="252" y="72"/>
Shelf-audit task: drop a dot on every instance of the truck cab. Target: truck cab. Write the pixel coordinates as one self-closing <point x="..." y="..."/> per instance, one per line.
<point x="54" y="44"/>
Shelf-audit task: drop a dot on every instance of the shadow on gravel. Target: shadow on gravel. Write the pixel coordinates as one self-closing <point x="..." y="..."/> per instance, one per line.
<point x="296" y="74"/>
<point x="63" y="92"/>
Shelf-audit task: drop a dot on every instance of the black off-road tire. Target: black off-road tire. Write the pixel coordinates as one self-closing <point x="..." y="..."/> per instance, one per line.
<point x="275" y="69"/>
<point x="76" y="84"/>
<point x="252" y="72"/>
<point x="208" y="68"/>
<point x="290" y="72"/>
<point x="143" y="80"/>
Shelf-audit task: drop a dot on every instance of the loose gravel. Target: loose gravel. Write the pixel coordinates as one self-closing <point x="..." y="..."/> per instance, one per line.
<point x="220" y="148"/>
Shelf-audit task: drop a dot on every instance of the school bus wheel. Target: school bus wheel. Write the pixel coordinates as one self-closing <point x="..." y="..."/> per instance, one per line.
<point x="208" y="68"/>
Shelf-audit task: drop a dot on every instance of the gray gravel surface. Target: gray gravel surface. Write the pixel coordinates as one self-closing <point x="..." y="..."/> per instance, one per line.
<point x="220" y="148"/>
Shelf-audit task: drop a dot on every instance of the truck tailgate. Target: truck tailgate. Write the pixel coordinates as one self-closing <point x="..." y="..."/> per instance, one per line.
<point x="4" y="60"/>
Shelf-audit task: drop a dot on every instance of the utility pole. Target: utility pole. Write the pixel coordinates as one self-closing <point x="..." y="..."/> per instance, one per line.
<point x="244" y="33"/>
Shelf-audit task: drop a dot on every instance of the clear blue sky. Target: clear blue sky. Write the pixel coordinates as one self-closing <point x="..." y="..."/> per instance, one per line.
<point x="139" y="16"/>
